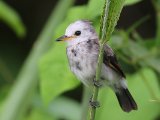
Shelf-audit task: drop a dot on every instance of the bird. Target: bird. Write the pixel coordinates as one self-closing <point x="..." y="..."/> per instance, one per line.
<point x="82" y="52"/>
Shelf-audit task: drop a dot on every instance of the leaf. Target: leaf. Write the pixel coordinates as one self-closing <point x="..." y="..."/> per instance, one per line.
<point x="72" y="109"/>
<point x="12" y="19"/>
<point x="37" y="114"/>
<point x="139" y="52"/>
<point x="27" y="79"/>
<point x="131" y="2"/>
<point x="110" y="17"/>
<point x="55" y="76"/>
<point x="142" y="55"/>
<point x="60" y="108"/>
<point x="153" y="63"/>
<point x="147" y="109"/>
<point x="115" y="8"/>
<point x="76" y="13"/>
<point x="94" y="8"/>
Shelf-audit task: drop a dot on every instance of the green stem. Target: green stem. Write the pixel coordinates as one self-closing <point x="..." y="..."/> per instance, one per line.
<point x="86" y="95"/>
<point x="96" y="89"/>
<point x="110" y="16"/>
<point x="28" y="76"/>
<point x="103" y="26"/>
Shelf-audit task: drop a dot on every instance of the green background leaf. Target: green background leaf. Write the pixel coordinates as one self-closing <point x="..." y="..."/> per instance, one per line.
<point x="94" y="7"/>
<point x="131" y="2"/>
<point x="55" y="75"/>
<point x="12" y="19"/>
<point x="60" y="107"/>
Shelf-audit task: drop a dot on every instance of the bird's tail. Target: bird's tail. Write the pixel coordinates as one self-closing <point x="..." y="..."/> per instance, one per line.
<point x="126" y="100"/>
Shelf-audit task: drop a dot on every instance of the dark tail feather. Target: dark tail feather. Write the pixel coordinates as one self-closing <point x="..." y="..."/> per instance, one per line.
<point x="126" y="100"/>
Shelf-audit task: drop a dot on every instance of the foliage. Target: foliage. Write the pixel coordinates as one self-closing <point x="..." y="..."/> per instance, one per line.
<point x="139" y="58"/>
<point x="131" y="2"/>
<point x="27" y="80"/>
<point x="109" y="19"/>
<point x="12" y="19"/>
<point x="60" y="107"/>
<point x="55" y="74"/>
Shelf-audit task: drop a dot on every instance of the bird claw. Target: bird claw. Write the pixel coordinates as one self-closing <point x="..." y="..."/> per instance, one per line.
<point x="94" y="104"/>
<point x="97" y="83"/>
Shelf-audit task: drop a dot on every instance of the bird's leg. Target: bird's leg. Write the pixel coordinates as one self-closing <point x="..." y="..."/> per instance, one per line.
<point x="94" y="104"/>
<point x="97" y="83"/>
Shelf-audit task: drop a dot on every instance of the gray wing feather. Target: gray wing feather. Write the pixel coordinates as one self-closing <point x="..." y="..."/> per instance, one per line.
<point x="110" y="60"/>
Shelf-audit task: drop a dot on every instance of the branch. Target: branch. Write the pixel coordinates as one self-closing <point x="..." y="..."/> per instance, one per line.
<point x="110" y="16"/>
<point x="28" y="76"/>
<point x="84" y="110"/>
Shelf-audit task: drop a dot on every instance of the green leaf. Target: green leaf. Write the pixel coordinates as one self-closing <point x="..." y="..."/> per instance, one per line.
<point x="60" y="108"/>
<point x="94" y="8"/>
<point x="153" y="63"/>
<point x="65" y="108"/>
<point x="55" y="75"/>
<point x="142" y="55"/>
<point x="12" y="19"/>
<point x="26" y="81"/>
<point x="37" y="114"/>
<point x="110" y="17"/>
<point x="131" y="2"/>
<point x="76" y="13"/>
<point x="147" y="109"/>
<point x="138" y="52"/>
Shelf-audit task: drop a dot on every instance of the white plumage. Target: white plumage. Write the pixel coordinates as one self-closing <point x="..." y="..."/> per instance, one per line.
<point x="82" y="52"/>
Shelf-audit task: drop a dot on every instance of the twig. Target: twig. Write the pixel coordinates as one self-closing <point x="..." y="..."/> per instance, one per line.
<point x="100" y="57"/>
<point x="109" y="20"/>
<point x="95" y="89"/>
<point x="86" y="95"/>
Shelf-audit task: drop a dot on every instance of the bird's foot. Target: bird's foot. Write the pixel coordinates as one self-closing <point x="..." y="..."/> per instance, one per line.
<point x="94" y="104"/>
<point x="97" y="83"/>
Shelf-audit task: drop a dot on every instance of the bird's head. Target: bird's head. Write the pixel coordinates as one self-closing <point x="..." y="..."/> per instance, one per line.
<point x="77" y="32"/>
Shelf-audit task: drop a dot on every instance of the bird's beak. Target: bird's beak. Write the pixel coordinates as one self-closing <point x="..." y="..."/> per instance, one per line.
<point x="64" y="38"/>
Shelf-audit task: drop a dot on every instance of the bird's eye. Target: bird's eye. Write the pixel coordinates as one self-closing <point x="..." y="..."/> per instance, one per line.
<point x="77" y="33"/>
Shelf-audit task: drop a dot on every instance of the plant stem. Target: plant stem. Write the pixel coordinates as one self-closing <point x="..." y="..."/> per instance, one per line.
<point x="96" y="89"/>
<point x="86" y="95"/>
<point x="28" y="77"/>
<point x="100" y="57"/>
<point x="110" y="16"/>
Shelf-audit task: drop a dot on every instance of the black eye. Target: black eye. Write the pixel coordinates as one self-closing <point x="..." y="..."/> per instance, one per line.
<point x="77" y="33"/>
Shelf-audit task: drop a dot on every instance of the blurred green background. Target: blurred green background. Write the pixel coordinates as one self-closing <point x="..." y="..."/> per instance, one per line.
<point x="35" y="80"/>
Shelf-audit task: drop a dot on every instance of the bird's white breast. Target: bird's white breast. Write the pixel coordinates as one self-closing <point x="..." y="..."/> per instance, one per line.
<point x="83" y="61"/>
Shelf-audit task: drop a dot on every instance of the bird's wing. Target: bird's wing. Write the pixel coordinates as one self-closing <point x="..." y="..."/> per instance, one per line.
<point x="110" y="60"/>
